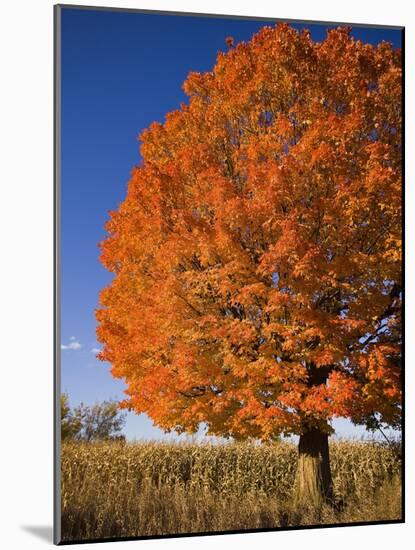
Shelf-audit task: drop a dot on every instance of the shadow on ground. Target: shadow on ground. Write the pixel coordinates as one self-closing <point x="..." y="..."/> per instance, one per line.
<point x="44" y="532"/>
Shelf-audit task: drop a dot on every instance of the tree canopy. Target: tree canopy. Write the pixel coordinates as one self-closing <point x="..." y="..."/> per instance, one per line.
<point x="257" y="254"/>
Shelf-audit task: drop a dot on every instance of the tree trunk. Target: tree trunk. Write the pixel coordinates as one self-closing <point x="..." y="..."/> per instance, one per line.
<point x="314" y="485"/>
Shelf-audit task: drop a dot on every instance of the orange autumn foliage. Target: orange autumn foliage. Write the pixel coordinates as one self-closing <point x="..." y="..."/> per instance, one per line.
<point x="260" y="241"/>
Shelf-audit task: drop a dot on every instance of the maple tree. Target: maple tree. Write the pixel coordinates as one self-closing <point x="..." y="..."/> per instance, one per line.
<point x="257" y="254"/>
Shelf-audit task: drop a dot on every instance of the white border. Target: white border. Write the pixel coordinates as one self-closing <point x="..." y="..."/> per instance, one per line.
<point x="26" y="225"/>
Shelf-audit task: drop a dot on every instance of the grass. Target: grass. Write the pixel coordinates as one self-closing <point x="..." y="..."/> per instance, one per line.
<point x="145" y="489"/>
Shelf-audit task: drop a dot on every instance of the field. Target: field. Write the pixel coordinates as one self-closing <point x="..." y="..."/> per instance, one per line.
<point x="142" y="489"/>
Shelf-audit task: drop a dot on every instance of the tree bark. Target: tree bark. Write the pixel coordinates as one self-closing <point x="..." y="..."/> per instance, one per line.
<point x="314" y="486"/>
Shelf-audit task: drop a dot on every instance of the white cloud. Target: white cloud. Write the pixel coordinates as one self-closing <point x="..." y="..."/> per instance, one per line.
<point x="73" y="344"/>
<point x="95" y="350"/>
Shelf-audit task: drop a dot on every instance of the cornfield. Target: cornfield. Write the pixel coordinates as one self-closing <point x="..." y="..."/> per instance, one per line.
<point x="142" y="489"/>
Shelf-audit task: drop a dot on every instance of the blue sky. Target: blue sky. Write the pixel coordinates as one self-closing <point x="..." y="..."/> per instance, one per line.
<point x="120" y="72"/>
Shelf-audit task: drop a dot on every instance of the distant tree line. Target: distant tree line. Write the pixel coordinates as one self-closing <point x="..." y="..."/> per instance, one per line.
<point x="101" y="421"/>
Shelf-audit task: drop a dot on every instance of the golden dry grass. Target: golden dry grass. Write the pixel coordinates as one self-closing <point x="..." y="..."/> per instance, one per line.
<point x="146" y="489"/>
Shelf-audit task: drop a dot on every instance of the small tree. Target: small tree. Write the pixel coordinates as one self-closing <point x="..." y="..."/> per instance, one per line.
<point x="91" y="423"/>
<point x="257" y="255"/>
<point x="100" y="421"/>
<point x="70" y="423"/>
